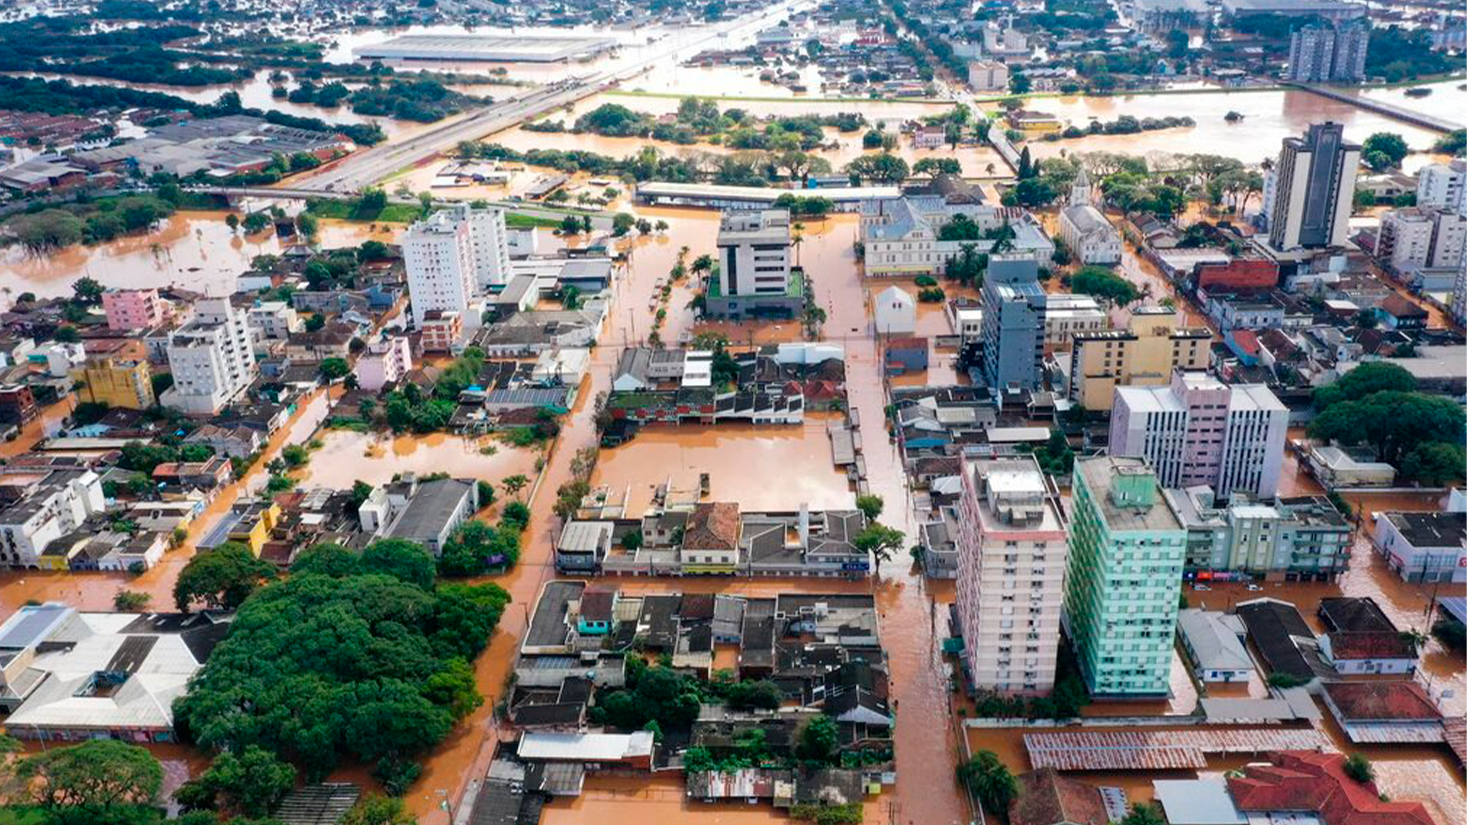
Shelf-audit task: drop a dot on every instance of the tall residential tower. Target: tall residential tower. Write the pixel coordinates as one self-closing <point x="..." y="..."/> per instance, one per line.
<point x="1314" y="189"/>
<point x="1124" y="579"/>
<point x="1011" y="570"/>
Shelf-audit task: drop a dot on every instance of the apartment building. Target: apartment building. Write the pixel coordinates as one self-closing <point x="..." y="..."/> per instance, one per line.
<point x="1124" y="577"/>
<point x="115" y="382"/>
<point x="40" y="506"/>
<point x="385" y="362"/>
<point x="453" y="257"/>
<point x="1011" y="549"/>
<point x="130" y="309"/>
<point x="1066" y="315"/>
<point x="1443" y="186"/>
<point x="442" y="330"/>
<point x="988" y="76"/>
<point x="1413" y="238"/>
<point x="1145" y="353"/>
<point x="1329" y="53"/>
<point x="1313" y="190"/>
<point x="1285" y="539"/>
<point x="274" y="320"/>
<point x="1013" y="322"/>
<point x="1198" y="431"/>
<point x="210" y="358"/>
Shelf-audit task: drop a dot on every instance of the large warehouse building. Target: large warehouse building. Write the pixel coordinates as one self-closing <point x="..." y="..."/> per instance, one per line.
<point x="486" y="47"/>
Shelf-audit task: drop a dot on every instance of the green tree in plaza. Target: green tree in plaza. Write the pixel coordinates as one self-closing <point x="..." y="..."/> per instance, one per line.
<point x="99" y="774"/>
<point x="1104" y="285"/>
<point x="870" y="506"/>
<point x="248" y="784"/>
<point x="221" y="578"/>
<point x="1384" y="150"/>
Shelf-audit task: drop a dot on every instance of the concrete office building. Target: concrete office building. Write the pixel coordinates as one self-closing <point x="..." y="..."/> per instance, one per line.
<point x="210" y="358"/>
<point x="1013" y="323"/>
<point x="1413" y="238"/>
<point x="1146" y="353"/>
<point x="988" y="76"/>
<point x="1443" y="186"/>
<point x="755" y="275"/>
<point x="1066" y="315"/>
<point x="1314" y="190"/>
<point x="1124" y="578"/>
<point x="1011" y="568"/>
<point x="453" y="257"/>
<point x="1197" y="430"/>
<point x="1325" y="53"/>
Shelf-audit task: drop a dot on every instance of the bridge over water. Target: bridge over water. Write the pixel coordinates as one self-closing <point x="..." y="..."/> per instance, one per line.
<point x="1388" y="109"/>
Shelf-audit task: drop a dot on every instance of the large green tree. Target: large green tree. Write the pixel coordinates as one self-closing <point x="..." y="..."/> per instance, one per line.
<point x="1366" y="379"/>
<point x="403" y="560"/>
<point x="248" y="784"/>
<point x="101" y="773"/>
<point x="1394" y="423"/>
<point x="221" y="578"/>
<point x="1104" y="285"/>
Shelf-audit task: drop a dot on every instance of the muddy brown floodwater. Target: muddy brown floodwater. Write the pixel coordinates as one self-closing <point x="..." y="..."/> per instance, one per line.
<point x="346" y="457"/>
<point x="189" y="250"/>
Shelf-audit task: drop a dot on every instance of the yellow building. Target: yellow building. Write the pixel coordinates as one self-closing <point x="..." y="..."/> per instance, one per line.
<point x="1143" y="354"/>
<point x="116" y="383"/>
<point x="256" y="522"/>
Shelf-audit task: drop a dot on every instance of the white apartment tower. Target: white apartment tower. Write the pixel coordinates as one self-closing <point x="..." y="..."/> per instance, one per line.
<point x="210" y="358"/>
<point x="1012" y="554"/>
<point x="1413" y="238"/>
<point x="1198" y="430"/>
<point x="1314" y="190"/>
<point x="1443" y="186"/>
<point x="454" y="256"/>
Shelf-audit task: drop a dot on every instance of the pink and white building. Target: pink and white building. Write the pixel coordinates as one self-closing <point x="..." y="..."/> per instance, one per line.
<point x="1198" y="430"/>
<point x="385" y="362"/>
<point x="129" y="309"/>
<point x="1012" y="553"/>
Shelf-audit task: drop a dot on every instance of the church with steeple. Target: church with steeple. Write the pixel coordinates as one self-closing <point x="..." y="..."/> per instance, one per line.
<point x="1085" y="230"/>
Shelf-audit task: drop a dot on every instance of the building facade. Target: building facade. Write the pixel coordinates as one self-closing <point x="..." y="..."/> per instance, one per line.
<point x="116" y="383"/>
<point x="129" y="309"/>
<point x="1413" y="238"/>
<point x="1443" y="186"/>
<point x="1126" y="550"/>
<point x="1325" y="53"/>
<point x="453" y="257"/>
<point x="1314" y="189"/>
<point x="50" y="505"/>
<point x="1011" y="567"/>
<point x="1146" y="353"/>
<point x="1199" y="431"/>
<point x="385" y="362"/>
<point x="1285" y="539"/>
<point x="1067" y="315"/>
<point x="210" y="358"/>
<point x="1013" y="323"/>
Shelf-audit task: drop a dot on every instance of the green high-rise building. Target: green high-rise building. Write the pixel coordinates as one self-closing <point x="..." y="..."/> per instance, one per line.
<point x="1127" y="548"/>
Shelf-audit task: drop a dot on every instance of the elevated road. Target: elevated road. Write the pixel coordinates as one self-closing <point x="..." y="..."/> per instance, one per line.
<point x="361" y="169"/>
<point x="1400" y="113"/>
<point x="599" y="218"/>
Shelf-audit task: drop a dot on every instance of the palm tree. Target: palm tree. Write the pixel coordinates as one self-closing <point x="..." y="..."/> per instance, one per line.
<point x="990" y="780"/>
<point x="1415" y="638"/>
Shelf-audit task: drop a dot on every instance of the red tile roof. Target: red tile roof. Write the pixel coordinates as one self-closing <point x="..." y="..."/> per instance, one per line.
<point x="1369" y="644"/>
<point x="1399" y="307"/>
<point x="1048" y="798"/>
<point x="713" y="526"/>
<point x="1381" y="701"/>
<point x="1316" y="783"/>
<point x="1247" y="340"/>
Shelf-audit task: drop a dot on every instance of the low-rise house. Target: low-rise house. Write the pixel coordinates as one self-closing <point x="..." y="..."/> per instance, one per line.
<point x="582" y="546"/>
<point x="230" y="441"/>
<point x="1213" y="642"/>
<point x="1345" y="467"/>
<point x="208" y="476"/>
<point x="1048" y="797"/>
<point x="1396" y="312"/>
<point x="1384" y="712"/>
<point x="906" y="355"/>
<point x="1304" y="783"/>
<point x="1423" y="547"/>
<point x="711" y="540"/>
<point x="1360" y="638"/>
